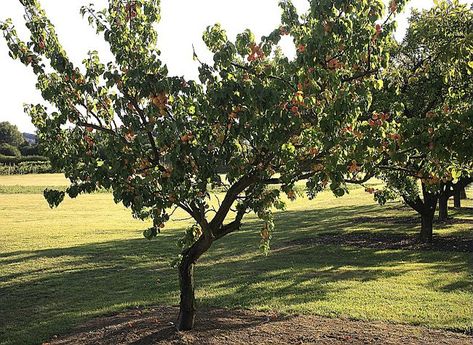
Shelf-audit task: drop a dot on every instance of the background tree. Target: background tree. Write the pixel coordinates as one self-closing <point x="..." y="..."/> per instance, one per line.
<point x="159" y="142"/>
<point x="9" y="134"/>
<point x="428" y="146"/>
<point x="459" y="191"/>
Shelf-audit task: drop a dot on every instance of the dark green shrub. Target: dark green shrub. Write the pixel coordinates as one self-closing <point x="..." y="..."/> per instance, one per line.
<point x="33" y="159"/>
<point x="16" y="160"/>
<point x="9" y="150"/>
<point x="29" y="150"/>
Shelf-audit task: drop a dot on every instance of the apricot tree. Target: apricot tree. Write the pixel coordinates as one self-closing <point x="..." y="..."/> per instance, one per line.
<point x="161" y="142"/>
<point x="429" y="143"/>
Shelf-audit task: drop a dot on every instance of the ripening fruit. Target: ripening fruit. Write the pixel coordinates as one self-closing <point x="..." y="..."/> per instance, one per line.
<point x="131" y="10"/>
<point x="314" y="151"/>
<point x="334" y="64"/>
<point x="327" y="27"/>
<point x="166" y="174"/>
<point x="256" y="53"/>
<point x="384" y="116"/>
<point x="379" y="29"/>
<point x="265" y="233"/>
<point x="89" y="140"/>
<point x="291" y="195"/>
<point x="130" y="136"/>
<point x="301" y="48"/>
<point x="353" y="167"/>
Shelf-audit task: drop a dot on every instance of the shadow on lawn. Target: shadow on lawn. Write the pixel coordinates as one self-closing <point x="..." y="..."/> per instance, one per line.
<point x="99" y="278"/>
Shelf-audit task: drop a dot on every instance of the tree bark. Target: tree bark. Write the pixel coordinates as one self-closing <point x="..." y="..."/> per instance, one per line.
<point x="462" y="193"/>
<point x="457" y="198"/>
<point x="187" y="305"/>
<point x="427" y="214"/>
<point x="443" y="206"/>
<point x="211" y="231"/>
<point x="426" y="232"/>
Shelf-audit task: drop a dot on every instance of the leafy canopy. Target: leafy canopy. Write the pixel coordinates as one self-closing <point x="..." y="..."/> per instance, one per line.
<point x="430" y="85"/>
<point x="255" y="118"/>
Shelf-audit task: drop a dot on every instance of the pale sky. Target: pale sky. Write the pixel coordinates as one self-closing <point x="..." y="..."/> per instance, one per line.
<point x="182" y="24"/>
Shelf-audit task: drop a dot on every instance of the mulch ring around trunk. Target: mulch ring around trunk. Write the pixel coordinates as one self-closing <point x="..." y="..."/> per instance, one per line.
<point x="228" y="326"/>
<point x="385" y="240"/>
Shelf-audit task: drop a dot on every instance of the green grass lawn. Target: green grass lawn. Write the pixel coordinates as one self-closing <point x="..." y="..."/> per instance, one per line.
<point x="88" y="258"/>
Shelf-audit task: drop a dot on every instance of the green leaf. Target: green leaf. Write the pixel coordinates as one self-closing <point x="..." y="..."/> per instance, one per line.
<point x="53" y="197"/>
<point x="150" y="233"/>
<point x="378" y="84"/>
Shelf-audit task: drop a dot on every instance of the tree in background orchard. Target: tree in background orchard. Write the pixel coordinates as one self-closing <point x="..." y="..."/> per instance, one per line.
<point x="159" y="142"/>
<point x="459" y="190"/>
<point x="429" y="92"/>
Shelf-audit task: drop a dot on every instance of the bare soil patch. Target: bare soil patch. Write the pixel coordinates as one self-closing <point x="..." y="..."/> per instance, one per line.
<point x="226" y="326"/>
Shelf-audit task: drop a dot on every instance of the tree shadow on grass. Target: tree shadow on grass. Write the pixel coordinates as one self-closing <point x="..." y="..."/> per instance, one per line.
<point x="55" y="289"/>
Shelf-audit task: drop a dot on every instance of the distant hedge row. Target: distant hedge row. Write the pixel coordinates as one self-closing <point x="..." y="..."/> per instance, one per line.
<point x="16" y="160"/>
<point x="24" y="165"/>
<point x="23" y="168"/>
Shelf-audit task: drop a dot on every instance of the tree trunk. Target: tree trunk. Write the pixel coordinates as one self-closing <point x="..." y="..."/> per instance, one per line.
<point x="426" y="231"/>
<point x="443" y="206"/>
<point x="462" y="193"/>
<point x="187" y="305"/>
<point x="427" y="213"/>
<point x="190" y="256"/>
<point x="457" y="198"/>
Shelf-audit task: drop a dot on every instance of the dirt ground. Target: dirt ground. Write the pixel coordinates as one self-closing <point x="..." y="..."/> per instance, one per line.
<point x="226" y="326"/>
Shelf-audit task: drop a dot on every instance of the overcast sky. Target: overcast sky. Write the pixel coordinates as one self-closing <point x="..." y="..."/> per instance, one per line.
<point x="182" y="24"/>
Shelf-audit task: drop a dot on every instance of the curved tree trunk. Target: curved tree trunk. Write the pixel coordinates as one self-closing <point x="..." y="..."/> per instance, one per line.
<point x="187" y="305"/>
<point x="211" y="231"/>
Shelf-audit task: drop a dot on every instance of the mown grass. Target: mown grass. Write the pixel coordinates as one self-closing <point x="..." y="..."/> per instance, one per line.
<point x="33" y="180"/>
<point x="87" y="258"/>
